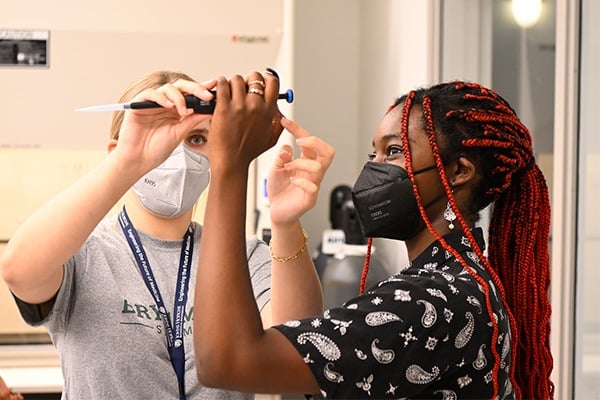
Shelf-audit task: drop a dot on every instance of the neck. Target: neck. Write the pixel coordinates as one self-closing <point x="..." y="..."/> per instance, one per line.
<point x="417" y="244"/>
<point x="154" y="225"/>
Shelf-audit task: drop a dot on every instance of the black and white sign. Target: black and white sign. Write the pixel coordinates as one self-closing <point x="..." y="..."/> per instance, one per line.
<point x="23" y="48"/>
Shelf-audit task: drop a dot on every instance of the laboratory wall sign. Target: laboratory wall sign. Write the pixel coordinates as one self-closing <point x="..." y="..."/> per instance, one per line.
<point x="20" y="48"/>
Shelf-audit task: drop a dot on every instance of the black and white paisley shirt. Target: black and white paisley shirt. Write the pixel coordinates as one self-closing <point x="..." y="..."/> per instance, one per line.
<point x="423" y="333"/>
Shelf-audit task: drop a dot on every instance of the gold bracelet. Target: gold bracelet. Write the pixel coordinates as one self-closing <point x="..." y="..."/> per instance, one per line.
<point x="293" y="257"/>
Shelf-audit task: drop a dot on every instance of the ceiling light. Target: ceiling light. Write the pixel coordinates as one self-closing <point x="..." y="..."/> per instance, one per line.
<point x="526" y="12"/>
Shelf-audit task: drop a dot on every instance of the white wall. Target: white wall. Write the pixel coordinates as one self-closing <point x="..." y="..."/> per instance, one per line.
<point x="96" y="51"/>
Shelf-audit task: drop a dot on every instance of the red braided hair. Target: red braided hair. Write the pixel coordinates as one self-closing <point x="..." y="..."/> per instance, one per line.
<point x="367" y="263"/>
<point x="365" y="271"/>
<point x="518" y="235"/>
<point x="429" y="127"/>
<point x="473" y="121"/>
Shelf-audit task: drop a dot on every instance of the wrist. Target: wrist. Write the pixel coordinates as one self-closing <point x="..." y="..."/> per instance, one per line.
<point x="125" y="168"/>
<point x="291" y="257"/>
<point x="288" y="242"/>
<point x="285" y="229"/>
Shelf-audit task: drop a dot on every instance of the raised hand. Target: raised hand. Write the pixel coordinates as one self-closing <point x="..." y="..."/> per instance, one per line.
<point x="245" y="122"/>
<point x="293" y="184"/>
<point x="148" y="137"/>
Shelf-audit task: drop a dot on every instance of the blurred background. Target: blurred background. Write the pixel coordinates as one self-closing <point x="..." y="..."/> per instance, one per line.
<point x="346" y="61"/>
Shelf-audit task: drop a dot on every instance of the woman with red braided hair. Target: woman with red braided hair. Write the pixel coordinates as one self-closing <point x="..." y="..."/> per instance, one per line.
<point x="454" y="324"/>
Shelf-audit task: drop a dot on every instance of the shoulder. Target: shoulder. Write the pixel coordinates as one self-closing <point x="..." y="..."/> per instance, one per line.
<point x="252" y="242"/>
<point x="106" y="240"/>
<point x="108" y="229"/>
<point x="256" y="247"/>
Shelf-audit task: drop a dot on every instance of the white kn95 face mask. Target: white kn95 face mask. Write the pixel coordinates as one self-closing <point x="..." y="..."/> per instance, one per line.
<point x="172" y="188"/>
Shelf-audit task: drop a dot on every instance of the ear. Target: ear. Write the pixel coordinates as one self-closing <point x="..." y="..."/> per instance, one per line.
<point x="111" y="145"/>
<point x="460" y="172"/>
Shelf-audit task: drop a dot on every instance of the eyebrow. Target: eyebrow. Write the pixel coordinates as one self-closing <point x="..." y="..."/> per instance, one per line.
<point x="392" y="136"/>
<point x="200" y="131"/>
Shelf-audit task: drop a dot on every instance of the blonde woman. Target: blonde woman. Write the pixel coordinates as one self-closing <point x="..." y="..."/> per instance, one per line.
<point x="116" y="293"/>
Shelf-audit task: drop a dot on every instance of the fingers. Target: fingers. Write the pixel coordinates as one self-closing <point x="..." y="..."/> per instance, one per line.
<point x="323" y="151"/>
<point x="176" y="97"/>
<point x="306" y="173"/>
<point x="305" y="184"/>
<point x="238" y="87"/>
<point x="171" y="95"/>
<point x="250" y="89"/>
<point x="271" y="87"/>
<point x="256" y="84"/>
<point x="263" y="87"/>
<point x="291" y="126"/>
<point x="200" y="90"/>
<point x="311" y="147"/>
<point x="181" y="87"/>
<point x="315" y="158"/>
<point x="223" y="92"/>
<point x="154" y="95"/>
<point x="286" y="154"/>
<point x="255" y="88"/>
<point x="310" y="167"/>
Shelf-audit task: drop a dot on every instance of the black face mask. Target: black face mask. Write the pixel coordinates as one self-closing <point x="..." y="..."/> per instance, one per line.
<point x="386" y="204"/>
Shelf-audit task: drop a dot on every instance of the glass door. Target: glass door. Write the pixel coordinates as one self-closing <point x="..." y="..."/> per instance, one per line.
<point x="587" y="313"/>
<point x="482" y="41"/>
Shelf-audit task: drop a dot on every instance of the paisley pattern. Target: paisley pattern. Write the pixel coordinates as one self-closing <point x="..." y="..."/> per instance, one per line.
<point x="331" y="375"/>
<point x="505" y="352"/>
<point x="418" y="376"/>
<point x="429" y="316"/>
<point x="437" y="293"/>
<point x="480" y="362"/>
<point x="382" y="356"/>
<point x="465" y="333"/>
<point x="327" y="347"/>
<point x="473" y="257"/>
<point x="424" y="332"/>
<point x="381" y="318"/>
<point x="449" y="277"/>
<point x="360" y="354"/>
<point x="447" y="394"/>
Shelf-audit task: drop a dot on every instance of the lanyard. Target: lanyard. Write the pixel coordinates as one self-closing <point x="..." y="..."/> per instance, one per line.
<point x="173" y="331"/>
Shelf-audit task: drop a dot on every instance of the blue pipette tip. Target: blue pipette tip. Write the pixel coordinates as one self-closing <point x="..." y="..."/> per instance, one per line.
<point x="289" y="95"/>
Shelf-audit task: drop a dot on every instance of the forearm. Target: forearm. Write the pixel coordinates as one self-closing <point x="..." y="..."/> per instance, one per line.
<point x="232" y="349"/>
<point x="295" y="287"/>
<point x="32" y="261"/>
<point x="226" y="318"/>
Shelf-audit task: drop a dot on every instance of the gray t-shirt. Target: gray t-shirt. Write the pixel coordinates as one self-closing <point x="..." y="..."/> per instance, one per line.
<point x="106" y="327"/>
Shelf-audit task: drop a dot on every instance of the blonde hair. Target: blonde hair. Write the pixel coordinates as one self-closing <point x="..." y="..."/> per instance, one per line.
<point x="152" y="80"/>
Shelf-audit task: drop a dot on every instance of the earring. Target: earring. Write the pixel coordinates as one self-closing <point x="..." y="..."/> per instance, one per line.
<point x="449" y="216"/>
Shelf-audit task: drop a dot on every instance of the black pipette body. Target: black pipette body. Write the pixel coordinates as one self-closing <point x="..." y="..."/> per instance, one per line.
<point x="198" y="105"/>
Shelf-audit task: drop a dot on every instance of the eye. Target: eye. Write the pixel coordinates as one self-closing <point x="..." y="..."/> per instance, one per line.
<point x="371" y="156"/>
<point x="196" y="140"/>
<point x="393" y="152"/>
